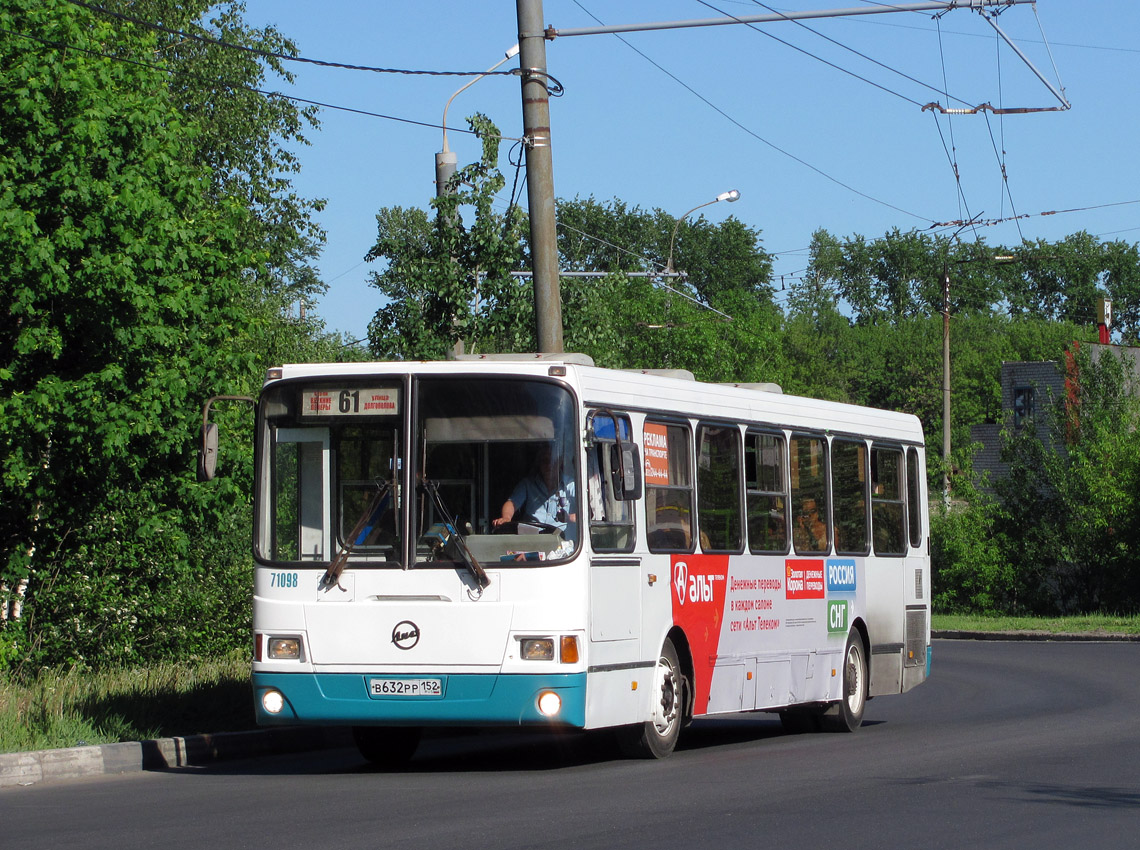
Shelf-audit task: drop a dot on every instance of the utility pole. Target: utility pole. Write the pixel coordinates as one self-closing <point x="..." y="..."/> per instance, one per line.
<point x="946" y="384"/>
<point x="539" y="176"/>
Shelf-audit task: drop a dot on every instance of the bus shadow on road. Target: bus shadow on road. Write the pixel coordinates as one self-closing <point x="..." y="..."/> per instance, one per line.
<point x="520" y="750"/>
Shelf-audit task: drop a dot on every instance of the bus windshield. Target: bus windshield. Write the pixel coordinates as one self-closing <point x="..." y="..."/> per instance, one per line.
<point x="491" y="475"/>
<point x="495" y="463"/>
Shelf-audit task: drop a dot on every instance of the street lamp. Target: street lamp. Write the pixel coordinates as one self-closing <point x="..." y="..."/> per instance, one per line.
<point x="730" y="196"/>
<point x="446" y="160"/>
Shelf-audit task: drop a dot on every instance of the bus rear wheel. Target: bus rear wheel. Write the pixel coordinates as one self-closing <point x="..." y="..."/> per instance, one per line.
<point x="656" y="738"/>
<point x="387" y="747"/>
<point x="847" y="714"/>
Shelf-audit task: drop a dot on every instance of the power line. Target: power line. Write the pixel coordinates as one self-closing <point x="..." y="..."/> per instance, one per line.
<point x="881" y="23"/>
<point x="994" y="221"/>
<point x="217" y="81"/>
<point x="269" y="54"/>
<point x="846" y="47"/>
<point x="949" y="225"/>
<point x="749" y="131"/>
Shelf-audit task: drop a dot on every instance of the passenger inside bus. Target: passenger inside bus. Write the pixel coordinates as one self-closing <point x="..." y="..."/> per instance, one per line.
<point x="546" y="496"/>
<point x="811" y="531"/>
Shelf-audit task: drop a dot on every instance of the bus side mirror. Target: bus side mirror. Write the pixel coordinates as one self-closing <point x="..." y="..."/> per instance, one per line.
<point x="208" y="447"/>
<point x="626" y="465"/>
<point x="208" y="452"/>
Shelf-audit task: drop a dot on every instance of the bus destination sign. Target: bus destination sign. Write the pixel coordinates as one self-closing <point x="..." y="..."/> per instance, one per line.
<point x="351" y="402"/>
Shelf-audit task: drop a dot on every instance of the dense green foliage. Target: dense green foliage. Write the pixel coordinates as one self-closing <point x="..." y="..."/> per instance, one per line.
<point x="151" y="245"/>
<point x="1069" y="519"/>
<point x="1057" y="534"/>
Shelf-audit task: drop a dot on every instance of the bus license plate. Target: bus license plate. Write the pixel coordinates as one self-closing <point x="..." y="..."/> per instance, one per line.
<point x="405" y="687"/>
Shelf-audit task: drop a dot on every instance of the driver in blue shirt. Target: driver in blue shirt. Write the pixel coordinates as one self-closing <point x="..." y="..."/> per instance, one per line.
<point x="546" y="496"/>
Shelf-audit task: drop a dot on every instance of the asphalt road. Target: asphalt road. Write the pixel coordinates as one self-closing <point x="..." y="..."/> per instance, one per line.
<point x="1010" y="745"/>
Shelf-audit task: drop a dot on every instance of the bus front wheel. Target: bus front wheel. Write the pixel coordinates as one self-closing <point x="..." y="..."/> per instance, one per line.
<point x="847" y="714"/>
<point x="387" y="747"/>
<point x="656" y="738"/>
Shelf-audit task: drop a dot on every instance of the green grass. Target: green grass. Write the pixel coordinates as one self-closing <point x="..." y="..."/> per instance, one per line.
<point x="69" y="708"/>
<point x="1085" y="624"/>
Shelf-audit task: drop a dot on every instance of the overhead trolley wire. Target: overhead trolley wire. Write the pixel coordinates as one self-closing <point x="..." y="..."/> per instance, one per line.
<point x="846" y="47"/>
<point x="952" y="152"/>
<point x="751" y="132"/>
<point x="1002" y="155"/>
<point x="808" y="53"/>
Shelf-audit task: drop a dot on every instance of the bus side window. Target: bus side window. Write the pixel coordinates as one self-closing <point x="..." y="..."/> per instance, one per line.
<point x="611" y="517"/>
<point x="887" y="514"/>
<point x="914" y="504"/>
<point x="809" y="493"/>
<point x="668" y="488"/>
<point x="718" y="488"/>
<point x="849" y="496"/>
<point x="767" y="490"/>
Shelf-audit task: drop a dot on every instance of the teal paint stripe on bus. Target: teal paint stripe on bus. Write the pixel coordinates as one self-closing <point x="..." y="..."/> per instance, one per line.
<point x="467" y="699"/>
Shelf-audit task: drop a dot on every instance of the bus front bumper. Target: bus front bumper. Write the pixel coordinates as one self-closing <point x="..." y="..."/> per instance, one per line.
<point x="469" y="699"/>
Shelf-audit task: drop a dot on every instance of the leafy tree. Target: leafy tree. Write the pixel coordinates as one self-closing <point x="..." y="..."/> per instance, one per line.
<point x="1070" y="520"/>
<point x="970" y="572"/>
<point x="131" y="294"/>
<point x="248" y="140"/>
<point x="666" y="322"/>
<point x="447" y="281"/>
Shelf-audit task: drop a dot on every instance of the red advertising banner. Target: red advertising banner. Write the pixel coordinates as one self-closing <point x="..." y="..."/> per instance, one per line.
<point x="656" y="454"/>
<point x="803" y="579"/>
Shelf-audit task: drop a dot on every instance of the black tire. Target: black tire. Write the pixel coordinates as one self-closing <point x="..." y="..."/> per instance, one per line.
<point x="657" y="738"/>
<point x="847" y="714"/>
<point x="387" y="747"/>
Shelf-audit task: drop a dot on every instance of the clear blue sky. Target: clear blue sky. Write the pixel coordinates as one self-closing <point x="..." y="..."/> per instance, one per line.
<point x="704" y="110"/>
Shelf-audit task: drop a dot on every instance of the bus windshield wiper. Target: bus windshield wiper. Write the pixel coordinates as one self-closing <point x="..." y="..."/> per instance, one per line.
<point x="477" y="571"/>
<point x="368" y="519"/>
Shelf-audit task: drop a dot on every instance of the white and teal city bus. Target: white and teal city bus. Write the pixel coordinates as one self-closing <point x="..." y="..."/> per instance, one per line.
<point x="699" y="549"/>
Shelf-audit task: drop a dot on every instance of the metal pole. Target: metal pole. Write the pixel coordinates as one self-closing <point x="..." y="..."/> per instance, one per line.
<point x="539" y="177"/>
<point x="946" y="385"/>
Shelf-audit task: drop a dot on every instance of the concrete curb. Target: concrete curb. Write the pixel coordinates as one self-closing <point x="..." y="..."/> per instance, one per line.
<point x="42" y="766"/>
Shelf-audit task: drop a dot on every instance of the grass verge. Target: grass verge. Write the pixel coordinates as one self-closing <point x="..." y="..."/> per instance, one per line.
<point x="1094" y="624"/>
<point x="69" y="708"/>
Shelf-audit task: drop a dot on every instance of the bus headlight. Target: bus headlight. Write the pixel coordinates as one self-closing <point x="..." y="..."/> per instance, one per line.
<point x="542" y="649"/>
<point x="285" y="648"/>
<point x="549" y="703"/>
<point x="272" y="701"/>
<point x="536" y="649"/>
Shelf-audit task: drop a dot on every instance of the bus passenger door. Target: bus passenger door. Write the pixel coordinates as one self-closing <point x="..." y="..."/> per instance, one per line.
<point x="613" y="479"/>
<point x="298" y="525"/>
<point x="916" y="575"/>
